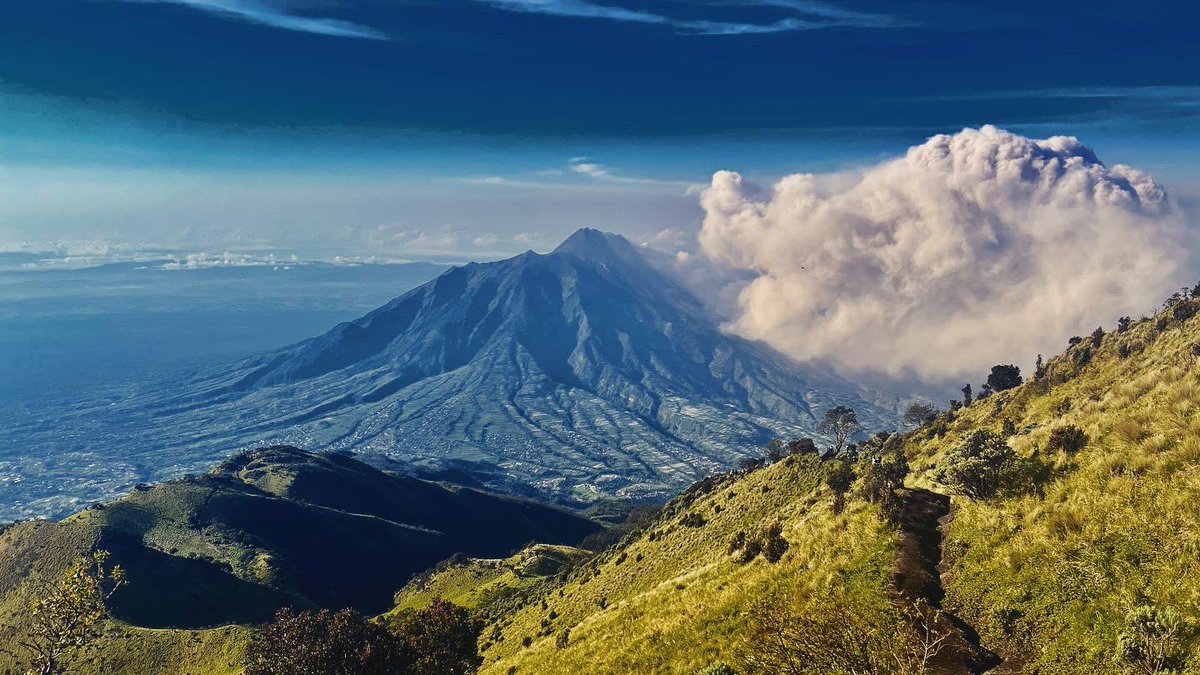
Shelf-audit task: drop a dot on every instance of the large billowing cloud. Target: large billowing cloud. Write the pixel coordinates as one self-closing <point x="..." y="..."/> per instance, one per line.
<point x="974" y="248"/>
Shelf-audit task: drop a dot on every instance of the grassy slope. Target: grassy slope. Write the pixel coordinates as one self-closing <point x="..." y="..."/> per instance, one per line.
<point x="41" y="550"/>
<point x="672" y="600"/>
<point x="274" y="528"/>
<point x="491" y="585"/>
<point x="1047" y="579"/>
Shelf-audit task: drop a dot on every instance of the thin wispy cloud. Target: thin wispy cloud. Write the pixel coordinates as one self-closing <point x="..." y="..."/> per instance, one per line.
<point x="275" y="14"/>
<point x="809" y="15"/>
<point x="581" y="173"/>
<point x="584" y="166"/>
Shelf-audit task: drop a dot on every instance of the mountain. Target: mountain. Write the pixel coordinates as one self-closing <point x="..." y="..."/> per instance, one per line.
<point x="1080" y="557"/>
<point x="576" y="376"/>
<point x="581" y="374"/>
<point x="279" y="527"/>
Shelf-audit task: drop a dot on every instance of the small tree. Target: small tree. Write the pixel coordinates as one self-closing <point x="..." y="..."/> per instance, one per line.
<point x="1039" y="368"/>
<point x="840" y="423"/>
<point x="919" y="414"/>
<point x="1004" y="377"/>
<point x="1154" y="641"/>
<point x="802" y="446"/>
<point x="839" y="478"/>
<point x="751" y="464"/>
<point x="66" y="618"/>
<point x="775" y="450"/>
<point x="324" y="643"/>
<point x="966" y="390"/>
<point x="977" y="466"/>
<point x="880" y="480"/>
<point x="442" y="638"/>
<point x="1123" y="324"/>
<point x="1070" y="439"/>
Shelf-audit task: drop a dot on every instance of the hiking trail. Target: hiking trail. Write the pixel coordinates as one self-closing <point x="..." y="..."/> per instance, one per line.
<point x="917" y="583"/>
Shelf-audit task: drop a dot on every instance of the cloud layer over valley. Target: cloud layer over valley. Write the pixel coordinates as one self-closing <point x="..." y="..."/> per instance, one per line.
<point x="973" y="248"/>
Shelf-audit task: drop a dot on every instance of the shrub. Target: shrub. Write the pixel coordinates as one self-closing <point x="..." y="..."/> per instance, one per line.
<point x="1069" y="439"/>
<point x="802" y="446"/>
<point x="976" y="467"/>
<point x="693" y="519"/>
<point x="442" y="638"/>
<point x="773" y="543"/>
<point x="67" y="617"/>
<point x="919" y="414"/>
<point x="768" y="541"/>
<point x="839" y="478"/>
<point x="1082" y="357"/>
<point x="1004" y="377"/>
<point x="1123" y="324"/>
<point x="1183" y="311"/>
<point x="1154" y="641"/>
<point x="738" y="542"/>
<point x="751" y="464"/>
<point x="775" y="450"/>
<point x="880" y="480"/>
<point x="324" y="643"/>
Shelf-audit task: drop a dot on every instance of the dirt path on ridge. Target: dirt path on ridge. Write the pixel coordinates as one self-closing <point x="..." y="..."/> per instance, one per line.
<point x="917" y="583"/>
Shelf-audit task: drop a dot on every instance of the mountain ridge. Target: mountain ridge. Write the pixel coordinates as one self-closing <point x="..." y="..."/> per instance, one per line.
<point x="581" y="374"/>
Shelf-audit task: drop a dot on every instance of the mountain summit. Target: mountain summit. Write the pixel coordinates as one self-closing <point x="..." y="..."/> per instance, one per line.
<point x="575" y="375"/>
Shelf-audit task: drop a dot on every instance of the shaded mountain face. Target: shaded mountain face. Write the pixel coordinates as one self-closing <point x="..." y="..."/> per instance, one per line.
<point x="280" y="527"/>
<point x="582" y="374"/>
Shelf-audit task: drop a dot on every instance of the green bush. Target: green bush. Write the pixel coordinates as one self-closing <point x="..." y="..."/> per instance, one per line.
<point x="324" y="643"/>
<point x="977" y="467"/>
<point x="1070" y="439"/>
<point x="839" y="478"/>
<point x="1154" y="641"/>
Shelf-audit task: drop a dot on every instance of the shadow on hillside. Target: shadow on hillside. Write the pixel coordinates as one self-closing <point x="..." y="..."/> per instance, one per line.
<point x="166" y="591"/>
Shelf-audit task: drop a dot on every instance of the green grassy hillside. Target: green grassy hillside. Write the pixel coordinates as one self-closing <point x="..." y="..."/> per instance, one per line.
<point x="674" y="598"/>
<point x="270" y="528"/>
<point x="493" y="587"/>
<point x="1049" y="570"/>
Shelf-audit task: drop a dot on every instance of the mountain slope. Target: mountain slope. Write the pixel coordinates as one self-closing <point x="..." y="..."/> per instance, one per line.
<point x="1056" y="574"/>
<point x="572" y="376"/>
<point x="1052" y="569"/>
<point x="675" y="597"/>
<point x="278" y="527"/>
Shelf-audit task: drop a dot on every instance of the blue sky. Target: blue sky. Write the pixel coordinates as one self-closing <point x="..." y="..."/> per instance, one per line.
<point x="479" y="128"/>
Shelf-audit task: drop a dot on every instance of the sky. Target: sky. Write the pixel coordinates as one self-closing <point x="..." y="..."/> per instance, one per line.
<point x="475" y="129"/>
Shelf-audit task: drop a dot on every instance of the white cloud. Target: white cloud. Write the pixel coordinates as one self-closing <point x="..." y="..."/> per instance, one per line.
<point x="582" y="166"/>
<point x="974" y="248"/>
<point x="810" y="15"/>
<point x="274" y="13"/>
